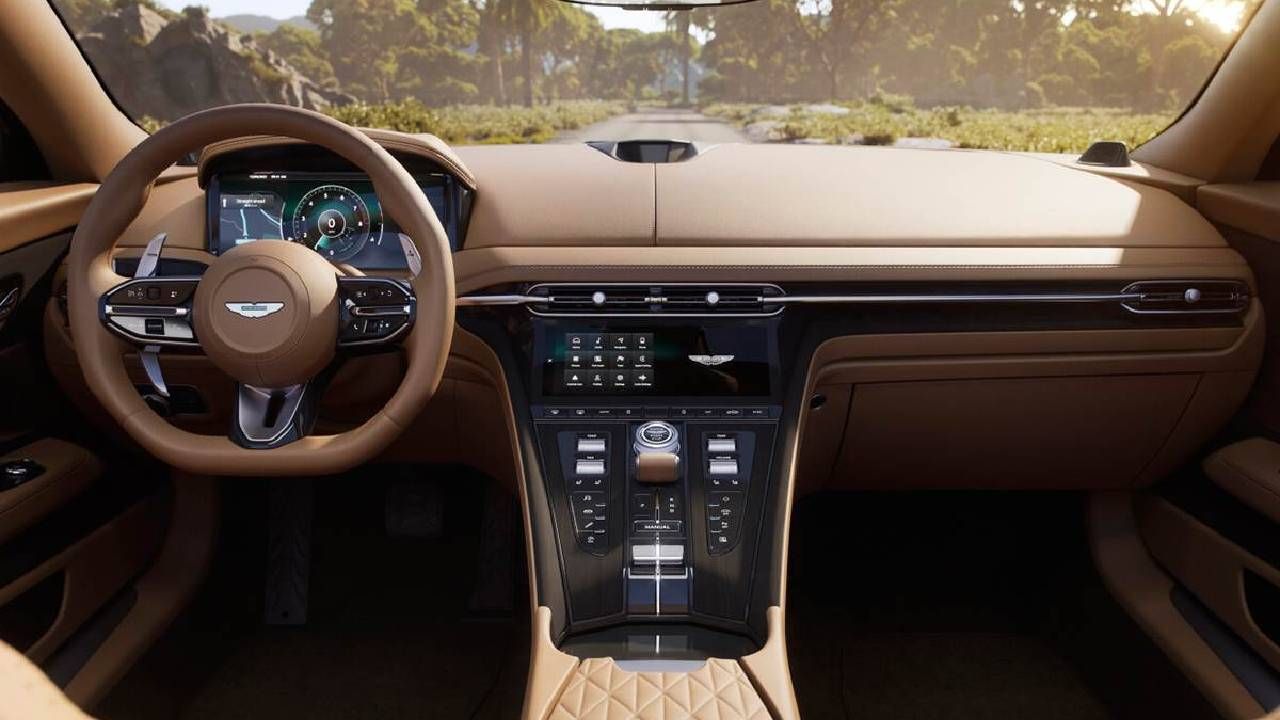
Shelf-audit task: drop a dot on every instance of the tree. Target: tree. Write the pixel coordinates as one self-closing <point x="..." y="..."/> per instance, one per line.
<point x="527" y="18"/>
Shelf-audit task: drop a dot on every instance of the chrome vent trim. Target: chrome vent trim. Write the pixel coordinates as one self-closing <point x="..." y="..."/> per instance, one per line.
<point x="664" y="299"/>
<point x="1186" y="297"/>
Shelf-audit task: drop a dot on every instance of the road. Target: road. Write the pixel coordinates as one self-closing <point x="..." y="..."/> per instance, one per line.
<point x="657" y="124"/>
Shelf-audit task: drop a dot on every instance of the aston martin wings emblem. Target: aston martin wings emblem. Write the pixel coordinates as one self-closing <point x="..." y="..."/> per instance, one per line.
<point x="254" y="309"/>
<point x="711" y="360"/>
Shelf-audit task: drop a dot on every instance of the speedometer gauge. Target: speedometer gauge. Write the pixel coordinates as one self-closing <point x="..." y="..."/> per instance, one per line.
<point x="335" y="222"/>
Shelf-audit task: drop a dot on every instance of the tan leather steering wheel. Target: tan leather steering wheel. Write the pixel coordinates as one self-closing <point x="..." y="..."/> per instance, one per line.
<point x="269" y="314"/>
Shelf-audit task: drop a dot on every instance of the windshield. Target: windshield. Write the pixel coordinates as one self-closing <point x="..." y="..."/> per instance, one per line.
<point x="1050" y="76"/>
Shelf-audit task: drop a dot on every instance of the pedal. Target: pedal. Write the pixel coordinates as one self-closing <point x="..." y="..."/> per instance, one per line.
<point x="291" y="506"/>
<point x="414" y="509"/>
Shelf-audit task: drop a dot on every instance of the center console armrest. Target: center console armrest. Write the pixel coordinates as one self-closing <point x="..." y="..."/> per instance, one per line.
<point x="1250" y="471"/>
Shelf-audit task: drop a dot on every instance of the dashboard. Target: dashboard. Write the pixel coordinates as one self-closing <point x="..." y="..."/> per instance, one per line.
<point x="316" y="199"/>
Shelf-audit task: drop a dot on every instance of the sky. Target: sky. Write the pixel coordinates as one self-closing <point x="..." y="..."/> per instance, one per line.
<point x="610" y="17"/>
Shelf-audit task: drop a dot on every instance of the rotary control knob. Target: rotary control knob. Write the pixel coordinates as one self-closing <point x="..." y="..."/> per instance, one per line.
<point x="657" y="436"/>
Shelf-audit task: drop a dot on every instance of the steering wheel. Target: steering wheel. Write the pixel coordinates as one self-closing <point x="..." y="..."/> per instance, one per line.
<point x="271" y="315"/>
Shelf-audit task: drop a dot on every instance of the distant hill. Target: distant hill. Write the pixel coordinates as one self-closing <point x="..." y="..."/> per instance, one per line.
<point x="264" y="23"/>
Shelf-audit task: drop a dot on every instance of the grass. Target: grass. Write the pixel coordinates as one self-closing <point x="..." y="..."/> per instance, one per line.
<point x="481" y="124"/>
<point x="1055" y="130"/>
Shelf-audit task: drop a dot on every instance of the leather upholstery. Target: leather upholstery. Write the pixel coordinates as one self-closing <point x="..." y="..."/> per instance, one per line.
<point x="26" y="694"/>
<point x="601" y="690"/>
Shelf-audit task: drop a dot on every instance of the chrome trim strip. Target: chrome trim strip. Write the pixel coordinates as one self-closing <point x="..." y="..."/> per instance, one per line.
<point x="1124" y="298"/>
<point x="490" y="300"/>
<point x="976" y="298"/>
<point x="380" y="310"/>
<point x="145" y="311"/>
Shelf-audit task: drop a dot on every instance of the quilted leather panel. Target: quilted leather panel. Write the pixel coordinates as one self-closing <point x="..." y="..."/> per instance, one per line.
<point x="600" y="690"/>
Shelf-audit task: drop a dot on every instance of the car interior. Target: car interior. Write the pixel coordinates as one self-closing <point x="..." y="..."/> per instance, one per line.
<point x="632" y="429"/>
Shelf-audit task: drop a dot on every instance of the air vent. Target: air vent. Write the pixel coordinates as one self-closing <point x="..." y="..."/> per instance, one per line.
<point x="1186" y="296"/>
<point x="674" y="299"/>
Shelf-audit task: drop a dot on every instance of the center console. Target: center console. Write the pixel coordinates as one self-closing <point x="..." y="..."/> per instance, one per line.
<point x="656" y="437"/>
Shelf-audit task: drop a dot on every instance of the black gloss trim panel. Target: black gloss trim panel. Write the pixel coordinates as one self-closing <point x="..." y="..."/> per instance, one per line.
<point x="65" y="663"/>
<point x="26" y="618"/>
<point x="1262" y="599"/>
<point x="1257" y="677"/>
<point x="1202" y="499"/>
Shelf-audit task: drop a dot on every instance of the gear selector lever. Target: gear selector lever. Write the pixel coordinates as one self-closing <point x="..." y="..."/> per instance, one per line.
<point x="657" y="445"/>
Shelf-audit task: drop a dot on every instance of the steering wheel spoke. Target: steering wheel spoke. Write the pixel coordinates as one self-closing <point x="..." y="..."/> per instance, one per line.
<point x="152" y="311"/>
<point x="271" y="417"/>
<point x="374" y="310"/>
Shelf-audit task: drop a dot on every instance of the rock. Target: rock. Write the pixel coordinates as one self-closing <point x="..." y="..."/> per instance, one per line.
<point x="763" y="131"/>
<point x="810" y="141"/>
<point x="825" y="109"/>
<point x="771" y="111"/>
<point x="853" y="139"/>
<point x="923" y="143"/>
<point x="165" y="69"/>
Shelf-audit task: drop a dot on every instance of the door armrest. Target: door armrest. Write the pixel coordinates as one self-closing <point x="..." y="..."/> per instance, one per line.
<point x="1250" y="471"/>
<point x="68" y="470"/>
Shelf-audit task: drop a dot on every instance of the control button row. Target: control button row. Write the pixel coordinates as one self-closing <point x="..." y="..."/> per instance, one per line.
<point x="615" y="359"/>
<point x="590" y="518"/>
<point x="751" y="413"/>
<point x="601" y="379"/>
<point x="608" y="341"/>
<point x="590" y="468"/>
<point x="665" y="505"/>
<point x="724" y="521"/>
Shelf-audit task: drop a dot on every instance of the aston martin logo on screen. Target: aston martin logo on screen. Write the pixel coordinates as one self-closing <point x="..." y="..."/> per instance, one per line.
<point x="711" y="360"/>
<point x="255" y="309"/>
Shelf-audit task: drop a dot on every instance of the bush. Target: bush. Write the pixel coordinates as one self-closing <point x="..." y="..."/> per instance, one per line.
<point x="1058" y="130"/>
<point x="484" y="124"/>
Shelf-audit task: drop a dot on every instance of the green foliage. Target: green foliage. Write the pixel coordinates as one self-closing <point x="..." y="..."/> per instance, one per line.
<point x="470" y="124"/>
<point x="302" y="49"/>
<point x="1057" y="130"/>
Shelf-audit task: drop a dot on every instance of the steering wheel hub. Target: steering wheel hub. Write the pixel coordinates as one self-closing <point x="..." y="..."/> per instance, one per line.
<point x="266" y="313"/>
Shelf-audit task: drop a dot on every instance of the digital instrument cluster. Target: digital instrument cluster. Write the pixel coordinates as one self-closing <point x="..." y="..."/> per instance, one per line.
<point x="336" y="214"/>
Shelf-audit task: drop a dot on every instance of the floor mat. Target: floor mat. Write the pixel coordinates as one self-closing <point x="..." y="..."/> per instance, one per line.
<point x="389" y="633"/>
<point x="965" y="606"/>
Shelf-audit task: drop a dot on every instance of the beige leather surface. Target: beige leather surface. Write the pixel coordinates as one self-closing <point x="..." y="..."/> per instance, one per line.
<point x="815" y="195"/>
<point x="32" y="210"/>
<point x="1227" y="133"/>
<point x="1249" y="470"/>
<point x="69" y="470"/>
<point x="1143" y="589"/>
<point x="476" y="269"/>
<point x="1253" y="207"/>
<point x="600" y="690"/>
<point x="27" y="694"/>
<point x="1209" y="565"/>
<point x="50" y="87"/>
<point x="558" y="195"/>
<point x="1183" y="186"/>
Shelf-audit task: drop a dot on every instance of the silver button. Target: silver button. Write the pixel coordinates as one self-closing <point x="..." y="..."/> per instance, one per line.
<point x="723" y="467"/>
<point x="589" y="467"/>
<point x="588" y="445"/>
<point x="722" y="445"/>
<point x="665" y="554"/>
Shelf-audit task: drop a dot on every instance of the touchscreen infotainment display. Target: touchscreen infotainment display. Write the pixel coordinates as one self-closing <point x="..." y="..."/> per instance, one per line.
<point x="336" y="214"/>
<point x="677" y="360"/>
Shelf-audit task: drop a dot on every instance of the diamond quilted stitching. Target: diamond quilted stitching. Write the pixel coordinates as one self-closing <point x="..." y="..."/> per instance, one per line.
<point x="600" y="690"/>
